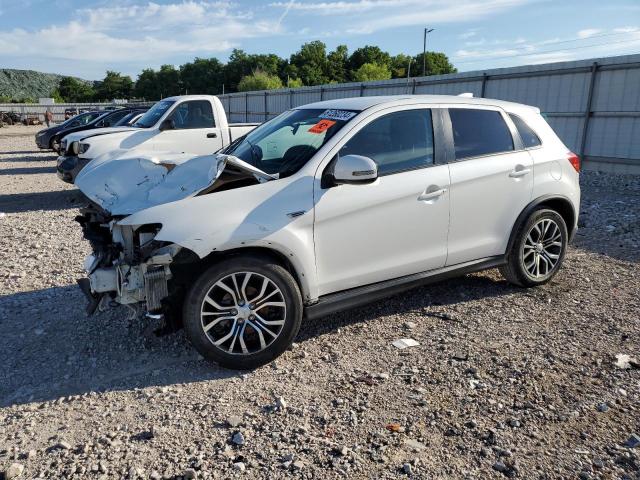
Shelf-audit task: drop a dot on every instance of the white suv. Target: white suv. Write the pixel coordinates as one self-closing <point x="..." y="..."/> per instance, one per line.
<point x="326" y="207"/>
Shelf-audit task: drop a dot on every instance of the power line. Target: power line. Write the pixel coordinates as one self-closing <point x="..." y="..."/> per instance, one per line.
<point x="592" y="36"/>
<point x="550" y="51"/>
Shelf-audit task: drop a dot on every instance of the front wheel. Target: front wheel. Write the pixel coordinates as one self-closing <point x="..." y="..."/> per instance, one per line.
<point x="538" y="249"/>
<point x="243" y="312"/>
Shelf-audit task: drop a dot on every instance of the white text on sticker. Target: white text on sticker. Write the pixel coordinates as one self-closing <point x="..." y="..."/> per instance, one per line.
<point x="343" y="115"/>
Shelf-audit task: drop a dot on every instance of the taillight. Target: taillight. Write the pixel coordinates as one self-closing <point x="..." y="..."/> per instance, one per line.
<point x="574" y="160"/>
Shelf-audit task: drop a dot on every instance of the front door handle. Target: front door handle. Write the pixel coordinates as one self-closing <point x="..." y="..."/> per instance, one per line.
<point x="519" y="171"/>
<point x="212" y="135"/>
<point x="432" y="195"/>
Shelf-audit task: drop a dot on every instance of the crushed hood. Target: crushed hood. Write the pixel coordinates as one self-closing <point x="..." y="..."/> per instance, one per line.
<point x="125" y="183"/>
<point x="82" y="134"/>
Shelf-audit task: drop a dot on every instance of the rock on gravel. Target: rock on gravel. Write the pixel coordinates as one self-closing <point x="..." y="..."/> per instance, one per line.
<point x="502" y="376"/>
<point x="14" y="471"/>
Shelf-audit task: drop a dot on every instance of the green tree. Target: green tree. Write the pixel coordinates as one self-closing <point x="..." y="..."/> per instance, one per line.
<point x="400" y="65"/>
<point x="169" y="81"/>
<point x="437" y="64"/>
<point x="337" y="68"/>
<point x="368" y="54"/>
<point x="74" y="90"/>
<point x="241" y="64"/>
<point x="372" y="71"/>
<point x="259" y="81"/>
<point x="114" y="85"/>
<point x="310" y="63"/>
<point x="147" y="86"/>
<point x="55" y="94"/>
<point x="203" y="76"/>
<point x="295" y="83"/>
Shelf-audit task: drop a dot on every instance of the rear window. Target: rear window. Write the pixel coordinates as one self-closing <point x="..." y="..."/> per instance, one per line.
<point x="479" y="132"/>
<point x="527" y="135"/>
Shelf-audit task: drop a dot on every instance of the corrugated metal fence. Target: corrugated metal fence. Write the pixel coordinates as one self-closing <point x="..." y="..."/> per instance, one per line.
<point x="593" y="105"/>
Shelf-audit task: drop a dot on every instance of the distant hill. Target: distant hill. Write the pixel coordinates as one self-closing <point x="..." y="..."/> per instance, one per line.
<point x="18" y="84"/>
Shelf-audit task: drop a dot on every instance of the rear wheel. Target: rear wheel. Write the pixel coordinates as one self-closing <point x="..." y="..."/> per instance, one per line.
<point x="538" y="250"/>
<point x="243" y="312"/>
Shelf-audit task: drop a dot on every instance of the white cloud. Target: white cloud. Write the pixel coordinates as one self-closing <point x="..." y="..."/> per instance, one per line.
<point x="468" y="34"/>
<point x="133" y="33"/>
<point x="376" y="15"/>
<point x="615" y="42"/>
<point x="589" y="32"/>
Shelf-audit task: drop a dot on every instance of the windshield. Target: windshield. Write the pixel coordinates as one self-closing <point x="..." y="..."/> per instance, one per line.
<point x="126" y="120"/>
<point x="81" y="119"/>
<point x="100" y="117"/>
<point x="283" y="145"/>
<point x="152" y="116"/>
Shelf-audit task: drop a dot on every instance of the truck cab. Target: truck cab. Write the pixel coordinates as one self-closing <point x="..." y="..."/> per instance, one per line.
<point x="194" y="124"/>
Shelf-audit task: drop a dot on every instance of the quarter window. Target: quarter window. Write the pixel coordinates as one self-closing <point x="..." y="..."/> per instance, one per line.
<point x="527" y="135"/>
<point x="396" y="142"/>
<point x="193" y="114"/>
<point x="479" y="132"/>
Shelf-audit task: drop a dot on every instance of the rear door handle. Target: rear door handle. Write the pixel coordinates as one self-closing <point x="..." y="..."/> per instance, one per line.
<point x="519" y="172"/>
<point x="212" y="135"/>
<point x="432" y="195"/>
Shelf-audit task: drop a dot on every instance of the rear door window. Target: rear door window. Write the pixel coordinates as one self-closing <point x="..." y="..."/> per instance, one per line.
<point x="479" y="132"/>
<point x="527" y="135"/>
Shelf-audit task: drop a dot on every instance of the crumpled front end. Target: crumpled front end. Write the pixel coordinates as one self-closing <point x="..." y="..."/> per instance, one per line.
<point x="127" y="266"/>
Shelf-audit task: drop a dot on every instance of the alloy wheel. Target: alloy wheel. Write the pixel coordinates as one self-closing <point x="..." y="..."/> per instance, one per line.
<point x="243" y="313"/>
<point x="542" y="248"/>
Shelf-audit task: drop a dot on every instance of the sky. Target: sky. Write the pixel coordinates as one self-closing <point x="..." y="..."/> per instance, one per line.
<point x="86" y="38"/>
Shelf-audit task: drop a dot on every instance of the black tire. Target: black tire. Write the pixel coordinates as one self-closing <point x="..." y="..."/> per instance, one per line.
<point x="263" y="267"/>
<point x="515" y="271"/>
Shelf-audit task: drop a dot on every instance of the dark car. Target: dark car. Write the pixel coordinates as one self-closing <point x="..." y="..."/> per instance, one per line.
<point x="129" y="119"/>
<point x="45" y="138"/>
<point x="106" y="119"/>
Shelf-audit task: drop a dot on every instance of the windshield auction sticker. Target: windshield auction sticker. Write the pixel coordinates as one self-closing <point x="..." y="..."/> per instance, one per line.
<point x="343" y="115"/>
<point x="322" y="126"/>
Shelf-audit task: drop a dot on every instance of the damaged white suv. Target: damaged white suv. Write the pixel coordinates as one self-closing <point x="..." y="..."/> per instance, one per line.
<point x="326" y="207"/>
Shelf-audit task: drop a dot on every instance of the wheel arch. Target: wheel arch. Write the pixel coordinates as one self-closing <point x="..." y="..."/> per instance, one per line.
<point x="558" y="203"/>
<point x="263" y="252"/>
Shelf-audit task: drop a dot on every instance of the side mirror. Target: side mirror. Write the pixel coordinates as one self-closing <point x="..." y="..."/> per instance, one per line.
<point x="167" y="124"/>
<point x="354" y="169"/>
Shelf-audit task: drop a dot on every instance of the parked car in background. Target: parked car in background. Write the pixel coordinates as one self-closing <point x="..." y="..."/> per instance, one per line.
<point x="191" y="124"/>
<point x="130" y="118"/>
<point x="328" y="206"/>
<point x="46" y="139"/>
<point x="70" y="112"/>
<point x="104" y="120"/>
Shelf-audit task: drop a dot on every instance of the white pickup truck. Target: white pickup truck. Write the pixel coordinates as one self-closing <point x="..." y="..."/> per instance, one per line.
<point x="185" y="124"/>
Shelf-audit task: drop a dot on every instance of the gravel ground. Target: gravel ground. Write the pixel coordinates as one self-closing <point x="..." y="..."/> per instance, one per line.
<point x="505" y="382"/>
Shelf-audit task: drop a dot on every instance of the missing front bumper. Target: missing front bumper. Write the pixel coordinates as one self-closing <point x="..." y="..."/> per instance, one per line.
<point x="127" y="285"/>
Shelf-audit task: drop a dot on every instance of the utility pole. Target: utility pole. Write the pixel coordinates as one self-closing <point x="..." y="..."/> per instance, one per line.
<point x="424" y="51"/>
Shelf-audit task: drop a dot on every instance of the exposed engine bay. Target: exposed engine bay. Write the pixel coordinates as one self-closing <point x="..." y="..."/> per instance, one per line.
<point x="127" y="266"/>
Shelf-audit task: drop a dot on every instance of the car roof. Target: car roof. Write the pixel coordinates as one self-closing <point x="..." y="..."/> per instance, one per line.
<point x="363" y="103"/>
